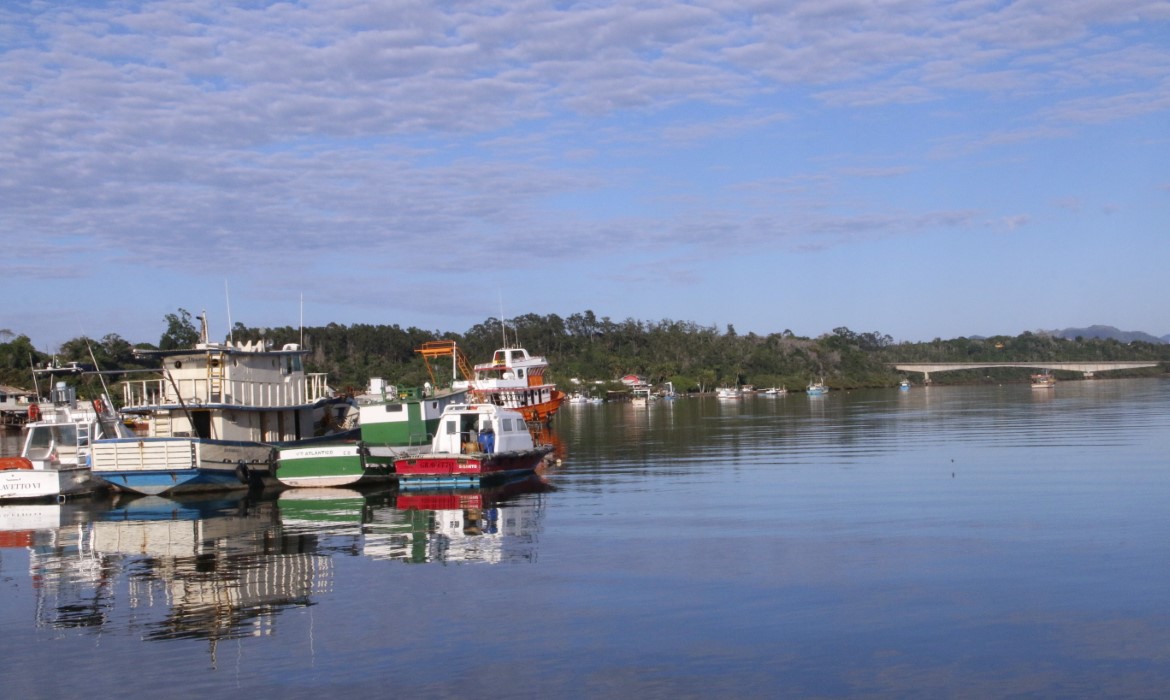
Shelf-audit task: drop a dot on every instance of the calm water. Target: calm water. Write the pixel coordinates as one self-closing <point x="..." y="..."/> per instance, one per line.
<point x="952" y="542"/>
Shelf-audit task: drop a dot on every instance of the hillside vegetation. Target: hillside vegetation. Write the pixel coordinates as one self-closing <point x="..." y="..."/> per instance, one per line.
<point x="694" y="358"/>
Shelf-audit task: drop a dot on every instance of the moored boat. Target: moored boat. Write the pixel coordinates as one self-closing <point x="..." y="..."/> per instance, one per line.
<point x="641" y="395"/>
<point x="54" y="461"/>
<point x="817" y="388"/>
<point x="392" y="422"/>
<point x="1043" y="381"/>
<point x="516" y="380"/>
<point x="214" y="417"/>
<point x="475" y="443"/>
<point x="729" y="393"/>
<point x="904" y="385"/>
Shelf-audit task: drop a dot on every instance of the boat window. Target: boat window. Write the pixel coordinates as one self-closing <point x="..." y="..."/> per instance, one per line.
<point x="507" y="423"/>
<point x="40" y="442"/>
<point x="66" y="434"/>
<point x="393" y="408"/>
<point x="451" y="427"/>
<point x="520" y="373"/>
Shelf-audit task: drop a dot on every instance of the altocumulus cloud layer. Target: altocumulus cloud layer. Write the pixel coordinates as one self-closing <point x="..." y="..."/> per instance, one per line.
<point x="391" y="158"/>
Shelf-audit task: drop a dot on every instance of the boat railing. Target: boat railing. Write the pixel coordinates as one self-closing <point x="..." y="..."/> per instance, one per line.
<point x="251" y="394"/>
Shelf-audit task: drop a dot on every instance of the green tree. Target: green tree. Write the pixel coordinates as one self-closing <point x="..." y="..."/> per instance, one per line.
<point x="180" y="333"/>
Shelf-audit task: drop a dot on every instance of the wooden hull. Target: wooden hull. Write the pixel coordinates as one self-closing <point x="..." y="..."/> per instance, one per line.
<point x="447" y="469"/>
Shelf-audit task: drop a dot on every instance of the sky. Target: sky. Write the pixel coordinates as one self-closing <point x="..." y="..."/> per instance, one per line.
<point x="918" y="169"/>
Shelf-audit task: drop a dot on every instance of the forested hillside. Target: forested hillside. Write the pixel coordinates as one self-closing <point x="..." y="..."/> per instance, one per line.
<point x="691" y="356"/>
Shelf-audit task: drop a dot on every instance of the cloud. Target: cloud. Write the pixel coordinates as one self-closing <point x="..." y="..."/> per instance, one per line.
<point x="207" y="139"/>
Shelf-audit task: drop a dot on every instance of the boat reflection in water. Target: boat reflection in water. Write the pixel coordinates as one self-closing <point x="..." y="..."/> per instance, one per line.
<point x="224" y="567"/>
<point x="172" y="569"/>
<point x="487" y="525"/>
<point x="71" y="583"/>
<point x="216" y="568"/>
<point x="483" y="525"/>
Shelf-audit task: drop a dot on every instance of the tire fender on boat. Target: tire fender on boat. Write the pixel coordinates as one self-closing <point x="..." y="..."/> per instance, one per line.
<point x="242" y="473"/>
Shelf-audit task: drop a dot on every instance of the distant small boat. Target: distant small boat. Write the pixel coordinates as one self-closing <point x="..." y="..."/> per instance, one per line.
<point x="773" y="391"/>
<point x="1043" y="381"/>
<point x="817" y="388"/>
<point x="729" y="392"/>
<point x="641" y="396"/>
<point x="904" y="385"/>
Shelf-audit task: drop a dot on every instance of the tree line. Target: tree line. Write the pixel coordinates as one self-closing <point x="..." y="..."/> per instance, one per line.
<point x="692" y="357"/>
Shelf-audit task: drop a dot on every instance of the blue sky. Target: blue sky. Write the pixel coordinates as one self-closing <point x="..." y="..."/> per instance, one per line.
<point x="922" y="169"/>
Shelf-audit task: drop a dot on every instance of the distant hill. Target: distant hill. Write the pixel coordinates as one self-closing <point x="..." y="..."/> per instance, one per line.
<point x="1109" y="332"/>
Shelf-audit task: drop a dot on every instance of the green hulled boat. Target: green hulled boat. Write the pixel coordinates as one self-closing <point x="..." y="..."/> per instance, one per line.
<point x="393" y="423"/>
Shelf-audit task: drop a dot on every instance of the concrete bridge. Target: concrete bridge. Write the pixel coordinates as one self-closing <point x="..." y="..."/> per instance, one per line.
<point x="1087" y="368"/>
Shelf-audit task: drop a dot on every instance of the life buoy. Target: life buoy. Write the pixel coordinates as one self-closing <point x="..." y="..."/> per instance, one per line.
<point x="97" y="406"/>
<point x="34" y="412"/>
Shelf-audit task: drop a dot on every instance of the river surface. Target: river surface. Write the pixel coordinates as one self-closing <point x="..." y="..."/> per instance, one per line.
<point x="950" y="542"/>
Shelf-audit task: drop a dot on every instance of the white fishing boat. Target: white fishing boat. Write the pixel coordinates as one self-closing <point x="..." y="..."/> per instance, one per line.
<point x="54" y="461"/>
<point x="817" y="388"/>
<point x="475" y="443"/>
<point x="213" y="418"/>
<point x="773" y="391"/>
<point x="729" y="393"/>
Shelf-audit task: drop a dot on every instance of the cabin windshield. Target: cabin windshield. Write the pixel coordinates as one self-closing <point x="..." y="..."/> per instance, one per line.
<point x="43" y="439"/>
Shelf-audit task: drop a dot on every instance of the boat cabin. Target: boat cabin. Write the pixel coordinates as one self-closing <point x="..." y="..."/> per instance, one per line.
<point x="511" y="367"/>
<point x="473" y="428"/>
<point x="509" y="357"/>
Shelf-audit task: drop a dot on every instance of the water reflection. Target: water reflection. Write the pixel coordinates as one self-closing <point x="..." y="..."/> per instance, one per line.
<point x="224" y="568"/>
<point x="70" y="583"/>
<point x="487" y="526"/>
<point x="484" y="525"/>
